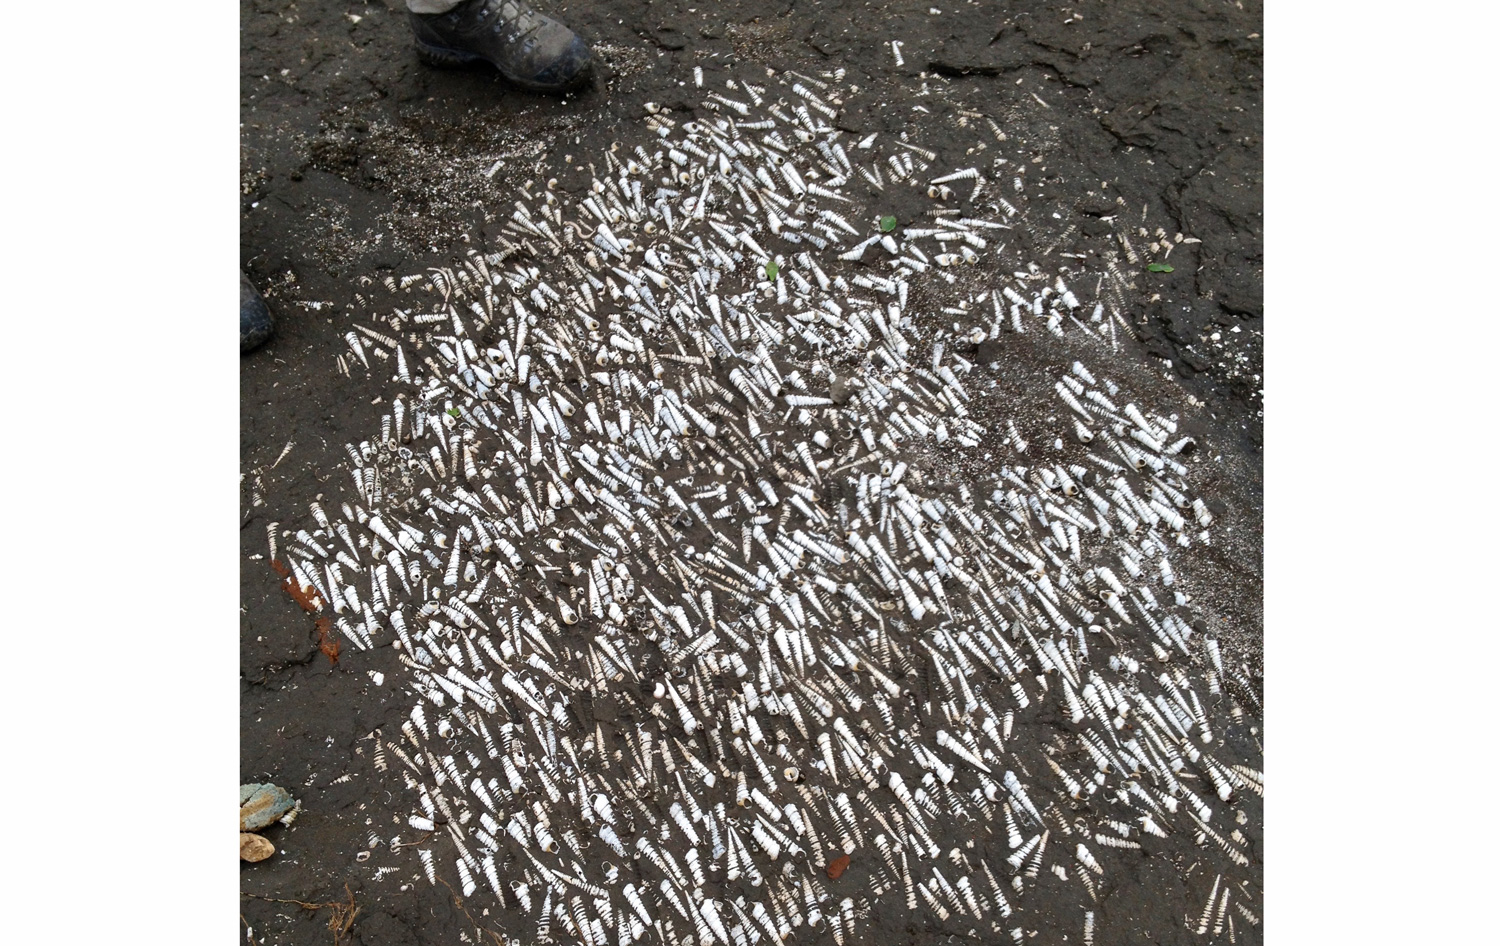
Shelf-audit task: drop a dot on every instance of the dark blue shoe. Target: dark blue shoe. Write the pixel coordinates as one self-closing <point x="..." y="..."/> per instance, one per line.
<point x="256" y="323"/>
<point x="531" y="50"/>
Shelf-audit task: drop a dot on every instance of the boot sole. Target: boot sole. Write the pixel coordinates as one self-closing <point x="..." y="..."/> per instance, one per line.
<point x="444" y="57"/>
<point x="440" y="56"/>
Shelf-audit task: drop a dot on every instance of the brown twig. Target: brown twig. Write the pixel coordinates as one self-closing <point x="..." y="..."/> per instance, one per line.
<point x="340" y="922"/>
<point x="417" y="843"/>
<point x="459" y="902"/>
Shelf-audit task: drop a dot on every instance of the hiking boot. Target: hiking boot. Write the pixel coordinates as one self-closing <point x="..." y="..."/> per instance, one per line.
<point x="255" y="319"/>
<point x="533" y="51"/>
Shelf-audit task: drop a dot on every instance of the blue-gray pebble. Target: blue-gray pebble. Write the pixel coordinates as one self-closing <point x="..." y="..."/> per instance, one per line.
<point x="263" y="805"/>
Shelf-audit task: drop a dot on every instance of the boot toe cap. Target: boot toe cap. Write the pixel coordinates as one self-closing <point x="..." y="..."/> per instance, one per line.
<point x="256" y="324"/>
<point x="574" y="67"/>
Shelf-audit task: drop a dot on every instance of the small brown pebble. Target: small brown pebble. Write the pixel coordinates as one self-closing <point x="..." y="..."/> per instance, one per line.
<point x="837" y="866"/>
<point x="254" y="848"/>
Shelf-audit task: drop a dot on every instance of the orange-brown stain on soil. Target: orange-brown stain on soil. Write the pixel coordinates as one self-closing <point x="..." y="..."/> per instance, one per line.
<point x="837" y="866"/>
<point x="306" y="597"/>
<point x="327" y="643"/>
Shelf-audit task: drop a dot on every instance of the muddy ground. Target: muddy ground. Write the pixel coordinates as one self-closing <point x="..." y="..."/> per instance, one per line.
<point x="359" y="161"/>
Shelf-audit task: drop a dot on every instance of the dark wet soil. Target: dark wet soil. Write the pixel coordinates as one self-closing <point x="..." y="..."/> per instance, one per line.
<point x="349" y="173"/>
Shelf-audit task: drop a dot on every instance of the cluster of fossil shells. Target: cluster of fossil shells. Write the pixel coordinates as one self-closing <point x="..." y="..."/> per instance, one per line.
<point x="730" y="605"/>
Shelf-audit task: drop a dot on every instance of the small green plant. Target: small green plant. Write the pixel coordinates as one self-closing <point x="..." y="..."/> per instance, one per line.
<point x="452" y="412"/>
<point x="887" y="223"/>
<point x="1159" y="268"/>
<point x="771" y="270"/>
